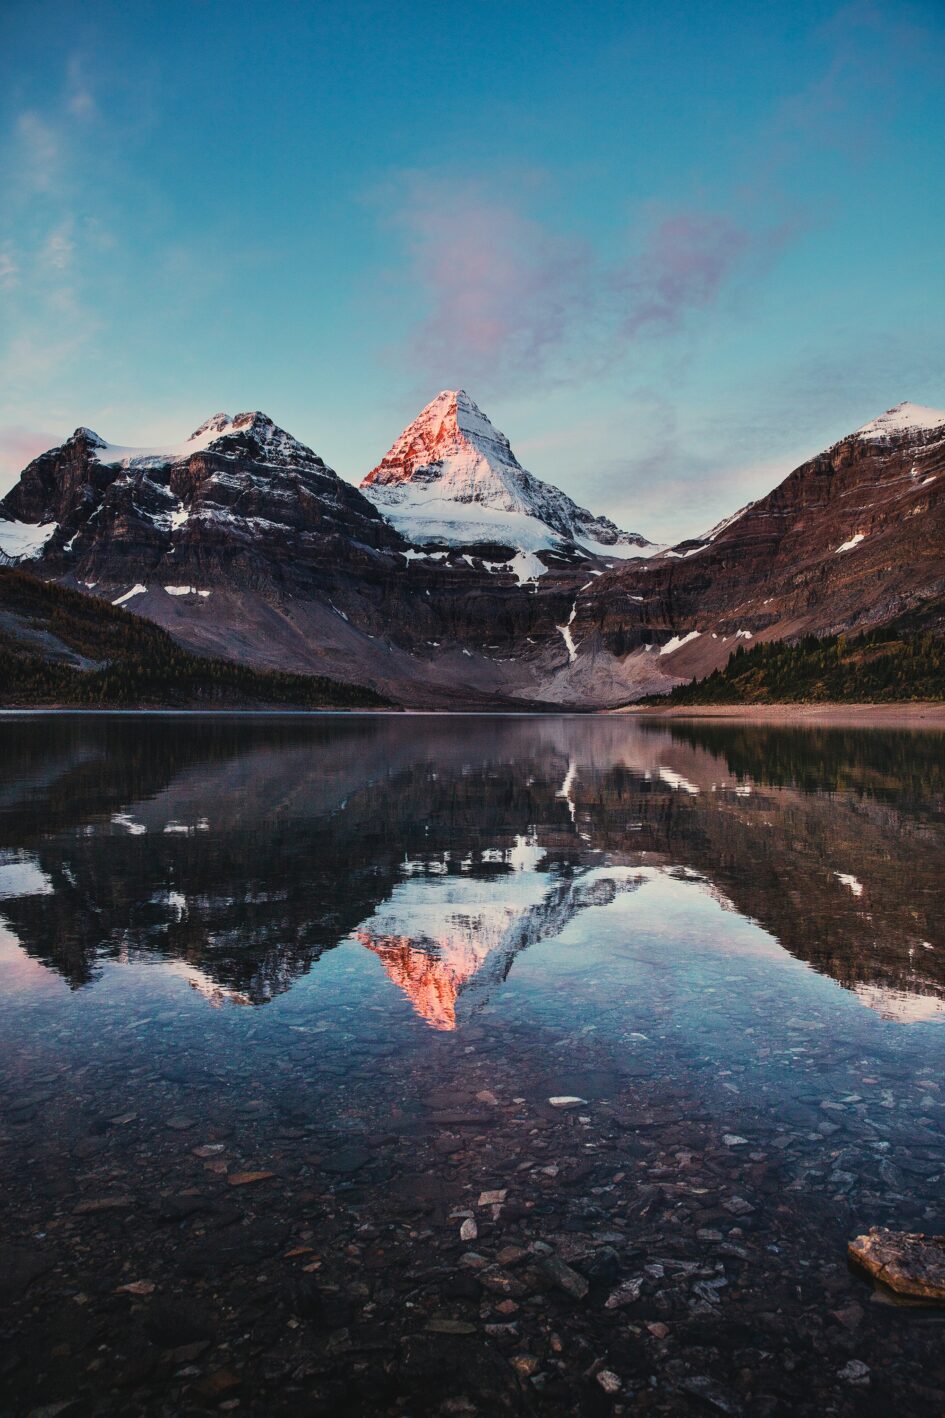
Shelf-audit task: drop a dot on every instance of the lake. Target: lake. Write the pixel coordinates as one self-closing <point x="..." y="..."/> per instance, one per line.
<point x="456" y="1065"/>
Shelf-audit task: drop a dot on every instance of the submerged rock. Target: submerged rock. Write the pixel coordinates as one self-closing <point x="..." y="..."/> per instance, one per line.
<point x="909" y="1263"/>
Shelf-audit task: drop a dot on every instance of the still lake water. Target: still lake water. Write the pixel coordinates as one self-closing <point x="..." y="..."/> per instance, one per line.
<point x="358" y="955"/>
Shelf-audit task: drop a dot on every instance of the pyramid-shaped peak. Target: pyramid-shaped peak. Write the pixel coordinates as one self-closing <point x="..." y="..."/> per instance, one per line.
<point x="450" y="437"/>
<point x="89" y="436"/>
<point x="452" y="476"/>
<point x="901" y="419"/>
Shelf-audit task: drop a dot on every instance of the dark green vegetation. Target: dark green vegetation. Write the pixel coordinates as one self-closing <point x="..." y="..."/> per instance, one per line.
<point x="892" y="664"/>
<point x="58" y="647"/>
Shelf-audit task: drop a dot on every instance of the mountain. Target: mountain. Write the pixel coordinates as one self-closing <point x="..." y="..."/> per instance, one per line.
<point x="58" y="647"/>
<point x="242" y="543"/>
<point x="89" y="503"/>
<point x="456" y="579"/>
<point x="451" y="479"/>
<point x="852" y="539"/>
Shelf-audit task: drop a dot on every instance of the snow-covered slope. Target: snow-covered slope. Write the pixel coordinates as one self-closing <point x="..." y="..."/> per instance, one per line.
<point x="221" y="433"/>
<point x="904" y="418"/>
<point x="23" y="541"/>
<point x="452" y="478"/>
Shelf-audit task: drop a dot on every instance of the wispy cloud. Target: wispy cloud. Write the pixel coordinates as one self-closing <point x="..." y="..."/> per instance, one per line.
<point x="497" y="288"/>
<point x="686" y="263"/>
<point x="507" y="296"/>
<point x="36" y="152"/>
<point x="49" y="232"/>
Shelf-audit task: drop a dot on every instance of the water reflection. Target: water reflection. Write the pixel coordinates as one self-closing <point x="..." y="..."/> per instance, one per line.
<point x="242" y="851"/>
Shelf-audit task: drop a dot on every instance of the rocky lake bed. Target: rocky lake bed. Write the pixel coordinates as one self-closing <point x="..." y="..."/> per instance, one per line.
<point x="524" y="1110"/>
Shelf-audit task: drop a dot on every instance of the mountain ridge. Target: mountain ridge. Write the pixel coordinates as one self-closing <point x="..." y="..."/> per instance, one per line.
<point x="243" y="543"/>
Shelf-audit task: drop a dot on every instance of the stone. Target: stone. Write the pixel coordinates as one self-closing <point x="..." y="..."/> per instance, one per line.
<point x="850" y="1316"/>
<point x="102" y="1203"/>
<point x="499" y="1283"/>
<point x="567" y="1100"/>
<point x="854" y="1372"/>
<point x="439" y="1325"/>
<point x="563" y="1277"/>
<point x="346" y="1159"/>
<point x="245" y="1179"/>
<point x="627" y="1293"/>
<point x="713" y="1395"/>
<point x="492" y="1198"/>
<point x="608" y="1380"/>
<point x="909" y="1263"/>
<point x="137" y="1287"/>
<point x="19" y="1267"/>
<point x="469" y="1230"/>
<point x="178" y="1208"/>
<point x="602" y="1266"/>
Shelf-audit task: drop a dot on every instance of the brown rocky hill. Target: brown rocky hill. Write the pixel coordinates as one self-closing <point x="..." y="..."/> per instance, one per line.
<point x="852" y="539"/>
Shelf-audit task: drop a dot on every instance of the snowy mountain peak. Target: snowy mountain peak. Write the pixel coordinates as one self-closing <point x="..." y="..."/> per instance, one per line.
<point x="452" y="477"/>
<point x="453" y="443"/>
<point x="87" y="435"/>
<point x="215" y="424"/>
<point x="273" y="445"/>
<point x="903" y="419"/>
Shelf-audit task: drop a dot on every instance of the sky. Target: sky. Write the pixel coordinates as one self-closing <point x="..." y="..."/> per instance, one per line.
<point x="670" y="248"/>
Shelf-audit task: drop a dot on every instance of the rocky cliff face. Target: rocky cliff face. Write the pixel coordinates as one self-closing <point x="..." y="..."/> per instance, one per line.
<point x="455" y="577"/>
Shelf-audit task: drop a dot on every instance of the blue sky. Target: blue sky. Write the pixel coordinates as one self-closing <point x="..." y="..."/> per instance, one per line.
<point x="671" y="248"/>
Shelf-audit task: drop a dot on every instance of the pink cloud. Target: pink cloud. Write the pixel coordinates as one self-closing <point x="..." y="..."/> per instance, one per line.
<point x="687" y="261"/>
<point x="506" y="296"/>
<point x="499" y="290"/>
<point x="19" y="446"/>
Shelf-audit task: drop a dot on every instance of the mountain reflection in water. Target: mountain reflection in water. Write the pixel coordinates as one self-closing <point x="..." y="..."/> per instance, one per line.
<point x="238" y="852"/>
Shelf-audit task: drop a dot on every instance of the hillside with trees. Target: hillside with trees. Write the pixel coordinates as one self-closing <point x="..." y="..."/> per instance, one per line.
<point x="896" y="664"/>
<point x="61" y="648"/>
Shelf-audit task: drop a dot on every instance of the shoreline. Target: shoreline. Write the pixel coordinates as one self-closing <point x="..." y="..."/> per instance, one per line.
<point x="929" y="714"/>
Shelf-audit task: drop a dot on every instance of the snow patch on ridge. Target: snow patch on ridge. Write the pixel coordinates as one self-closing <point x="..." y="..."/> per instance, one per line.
<point x="678" y="641"/>
<point x="279" y="447"/>
<point x="904" y="418"/>
<point x="138" y="590"/>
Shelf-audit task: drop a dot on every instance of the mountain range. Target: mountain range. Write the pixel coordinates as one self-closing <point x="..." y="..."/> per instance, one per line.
<point x="456" y="578"/>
